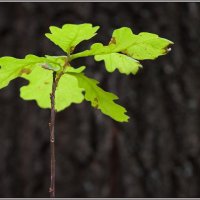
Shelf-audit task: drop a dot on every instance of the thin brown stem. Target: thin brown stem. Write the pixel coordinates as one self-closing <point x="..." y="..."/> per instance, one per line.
<point x="52" y="137"/>
<point x="52" y="133"/>
<point x="56" y="78"/>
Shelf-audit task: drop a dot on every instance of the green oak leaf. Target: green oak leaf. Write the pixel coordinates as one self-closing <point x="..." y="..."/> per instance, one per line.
<point x="123" y="63"/>
<point x="101" y="99"/>
<point x="124" y="41"/>
<point x="125" y="45"/>
<point x="40" y="86"/>
<point x="12" y="68"/>
<point x="70" y="35"/>
<point x="147" y="46"/>
<point x="75" y="70"/>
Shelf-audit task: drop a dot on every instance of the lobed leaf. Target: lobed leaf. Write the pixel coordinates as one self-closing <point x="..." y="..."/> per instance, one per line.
<point x="125" y="45"/>
<point x="147" y="46"/>
<point x="123" y="63"/>
<point x="40" y="85"/>
<point x="101" y="99"/>
<point x="70" y="35"/>
<point x="12" y="68"/>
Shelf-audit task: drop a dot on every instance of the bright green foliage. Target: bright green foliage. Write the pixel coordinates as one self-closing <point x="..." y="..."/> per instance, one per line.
<point x="12" y="68"/>
<point x="123" y="53"/>
<point x="75" y="70"/>
<point x="113" y="60"/>
<point x="123" y="63"/>
<point x="127" y="45"/>
<point x="121" y="39"/>
<point x="70" y="35"/>
<point x="39" y="89"/>
<point x="101" y="99"/>
<point x="147" y="46"/>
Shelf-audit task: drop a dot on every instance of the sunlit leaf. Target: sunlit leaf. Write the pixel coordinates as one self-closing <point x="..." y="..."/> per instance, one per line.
<point x="147" y="46"/>
<point x="71" y="35"/>
<point x="125" y="48"/>
<point x="40" y="86"/>
<point x="101" y="99"/>
<point x="12" y="68"/>
<point x="123" y="63"/>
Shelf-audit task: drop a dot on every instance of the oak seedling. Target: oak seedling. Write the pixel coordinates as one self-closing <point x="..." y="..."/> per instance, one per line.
<point x="55" y="84"/>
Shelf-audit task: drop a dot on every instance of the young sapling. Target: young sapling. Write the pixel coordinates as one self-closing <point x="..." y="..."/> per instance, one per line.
<point x="55" y="84"/>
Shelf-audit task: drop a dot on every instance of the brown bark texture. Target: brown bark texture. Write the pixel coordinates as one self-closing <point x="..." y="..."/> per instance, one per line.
<point x="156" y="154"/>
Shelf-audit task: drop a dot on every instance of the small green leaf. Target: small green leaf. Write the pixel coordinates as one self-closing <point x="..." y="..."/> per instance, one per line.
<point x="125" y="45"/>
<point x="147" y="46"/>
<point x="123" y="63"/>
<point x="40" y="85"/>
<point x="101" y="99"/>
<point x="70" y="35"/>
<point x="12" y="68"/>
<point x="74" y="70"/>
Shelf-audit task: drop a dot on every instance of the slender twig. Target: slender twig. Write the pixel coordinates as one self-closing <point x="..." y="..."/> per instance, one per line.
<point x="56" y="78"/>
<point x="52" y="137"/>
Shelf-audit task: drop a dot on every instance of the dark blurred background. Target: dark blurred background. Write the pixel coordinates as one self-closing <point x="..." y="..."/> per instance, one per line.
<point x="156" y="154"/>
